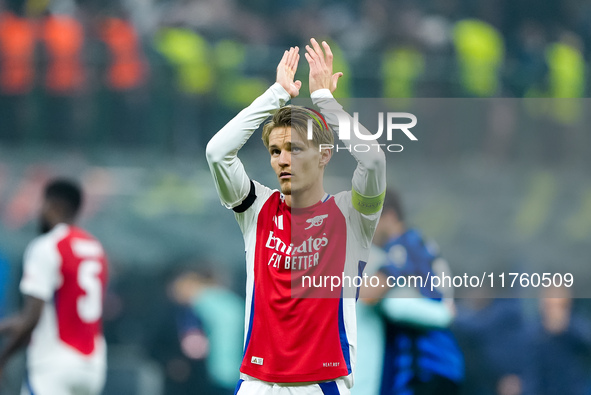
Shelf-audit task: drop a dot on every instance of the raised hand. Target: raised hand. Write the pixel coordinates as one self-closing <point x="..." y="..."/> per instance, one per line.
<point x="321" y="76"/>
<point x="286" y="72"/>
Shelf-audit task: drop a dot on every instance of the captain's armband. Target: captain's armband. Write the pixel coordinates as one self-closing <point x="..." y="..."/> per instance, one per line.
<point x="367" y="205"/>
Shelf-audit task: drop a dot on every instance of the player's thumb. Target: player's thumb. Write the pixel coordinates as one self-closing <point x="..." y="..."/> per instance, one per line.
<point x="298" y="84"/>
<point x="335" y="79"/>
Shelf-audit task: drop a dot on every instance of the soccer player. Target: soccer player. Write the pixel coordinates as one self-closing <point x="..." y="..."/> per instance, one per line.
<point x="298" y="345"/>
<point x="421" y="355"/>
<point x="64" y="277"/>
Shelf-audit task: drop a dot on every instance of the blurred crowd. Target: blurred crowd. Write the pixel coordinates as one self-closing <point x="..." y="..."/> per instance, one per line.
<point x="169" y="73"/>
<point x="514" y="347"/>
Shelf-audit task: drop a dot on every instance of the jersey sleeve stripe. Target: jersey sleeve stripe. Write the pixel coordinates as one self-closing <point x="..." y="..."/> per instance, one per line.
<point x="248" y="201"/>
<point x="249" y="325"/>
<point x="343" y="337"/>
<point x="361" y="268"/>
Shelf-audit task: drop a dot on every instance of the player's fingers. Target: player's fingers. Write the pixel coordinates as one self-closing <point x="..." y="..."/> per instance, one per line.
<point x="284" y="58"/>
<point x="309" y="59"/>
<point x="328" y="52"/>
<point x="293" y="64"/>
<point x="287" y="59"/>
<point x="296" y="62"/>
<point x="290" y="62"/>
<point x="335" y="79"/>
<point x="290" y="56"/>
<point x="318" y="50"/>
<point x="316" y="47"/>
<point x="312" y="53"/>
<point x="294" y="59"/>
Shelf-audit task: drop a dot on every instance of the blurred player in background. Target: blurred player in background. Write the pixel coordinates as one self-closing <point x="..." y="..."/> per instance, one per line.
<point x="64" y="279"/>
<point x="421" y="355"/>
<point x="221" y="313"/>
<point x="561" y="343"/>
<point x="298" y="345"/>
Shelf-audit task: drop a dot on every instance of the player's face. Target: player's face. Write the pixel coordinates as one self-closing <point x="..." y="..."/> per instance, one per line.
<point x="297" y="163"/>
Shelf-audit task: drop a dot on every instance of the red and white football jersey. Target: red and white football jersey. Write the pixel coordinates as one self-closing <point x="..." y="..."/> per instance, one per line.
<point x="67" y="268"/>
<point x="297" y="332"/>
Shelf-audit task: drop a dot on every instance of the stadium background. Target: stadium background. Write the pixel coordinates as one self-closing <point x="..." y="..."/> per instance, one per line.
<point x="124" y="96"/>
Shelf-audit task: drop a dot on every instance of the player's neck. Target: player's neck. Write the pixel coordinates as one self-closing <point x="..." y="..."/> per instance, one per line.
<point x="305" y="199"/>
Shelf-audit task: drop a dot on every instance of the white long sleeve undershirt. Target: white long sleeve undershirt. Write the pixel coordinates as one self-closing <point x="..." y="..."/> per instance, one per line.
<point x="228" y="172"/>
<point x="369" y="178"/>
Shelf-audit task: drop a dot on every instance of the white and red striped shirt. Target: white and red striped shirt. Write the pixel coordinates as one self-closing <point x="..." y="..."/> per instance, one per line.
<point x="66" y="268"/>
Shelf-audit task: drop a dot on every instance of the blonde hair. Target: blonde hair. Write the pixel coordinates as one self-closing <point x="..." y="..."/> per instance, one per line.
<point x="297" y="118"/>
